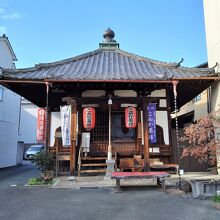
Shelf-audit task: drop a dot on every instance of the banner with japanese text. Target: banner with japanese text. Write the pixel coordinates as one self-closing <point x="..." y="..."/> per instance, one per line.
<point x="65" y="112"/>
<point x="152" y="122"/>
<point x="41" y="125"/>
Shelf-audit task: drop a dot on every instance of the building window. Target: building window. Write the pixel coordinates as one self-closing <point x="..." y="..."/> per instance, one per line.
<point x="1" y="93"/>
<point x="197" y="98"/>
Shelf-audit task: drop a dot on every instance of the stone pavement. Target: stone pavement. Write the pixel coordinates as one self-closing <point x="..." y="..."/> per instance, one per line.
<point x="99" y="181"/>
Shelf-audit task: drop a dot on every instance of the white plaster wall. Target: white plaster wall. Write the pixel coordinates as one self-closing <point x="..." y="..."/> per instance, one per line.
<point x="93" y="93"/>
<point x="125" y="93"/>
<point x="162" y="120"/>
<point x="6" y="59"/>
<point x="9" y="115"/>
<point x="158" y="93"/>
<point x="28" y="123"/>
<point x="8" y="144"/>
<point x="99" y="93"/>
<point x="212" y="26"/>
<point x="55" y="123"/>
<point x="28" y="128"/>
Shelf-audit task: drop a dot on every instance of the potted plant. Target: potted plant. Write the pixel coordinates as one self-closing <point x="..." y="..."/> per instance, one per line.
<point x="44" y="161"/>
<point x="216" y="200"/>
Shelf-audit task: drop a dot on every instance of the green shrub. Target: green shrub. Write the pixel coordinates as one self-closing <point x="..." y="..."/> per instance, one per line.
<point x="216" y="199"/>
<point x="44" y="161"/>
<point x="39" y="181"/>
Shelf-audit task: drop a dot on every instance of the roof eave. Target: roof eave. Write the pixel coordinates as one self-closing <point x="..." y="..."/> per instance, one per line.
<point x="214" y="78"/>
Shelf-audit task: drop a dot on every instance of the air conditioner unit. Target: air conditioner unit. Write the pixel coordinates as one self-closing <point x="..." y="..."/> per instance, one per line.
<point x="85" y="142"/>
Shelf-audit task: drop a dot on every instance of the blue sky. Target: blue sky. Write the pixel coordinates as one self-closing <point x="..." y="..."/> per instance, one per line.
<point x="42" y="31"/>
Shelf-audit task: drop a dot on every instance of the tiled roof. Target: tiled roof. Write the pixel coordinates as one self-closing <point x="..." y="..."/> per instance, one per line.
<point x="107" y="64"/>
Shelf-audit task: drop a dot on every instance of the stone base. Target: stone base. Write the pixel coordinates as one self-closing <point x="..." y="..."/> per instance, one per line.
<point x="110" y="168"/>
<point x="71" y="178"/>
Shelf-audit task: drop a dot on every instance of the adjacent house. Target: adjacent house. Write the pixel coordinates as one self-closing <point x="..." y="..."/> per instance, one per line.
<point x="209" y="100"/>
<point x="10" y="149"/>
<point x="212" y="26"/>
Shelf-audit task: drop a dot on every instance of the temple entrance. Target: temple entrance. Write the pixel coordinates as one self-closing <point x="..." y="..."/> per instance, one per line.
<point x="120" y="135"/>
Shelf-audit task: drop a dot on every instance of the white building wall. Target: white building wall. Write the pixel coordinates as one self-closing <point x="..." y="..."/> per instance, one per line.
<point x="162" y="120"/>
<point x="9" y="114"/>
<point x="6" y="58"/>
<point x="212" y="26"/>
<point x="55" y="123"/>
<point x="28" y="122"/>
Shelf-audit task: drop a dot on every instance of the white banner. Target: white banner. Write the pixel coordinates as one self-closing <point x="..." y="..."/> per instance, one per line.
<point x="65" y="112"/>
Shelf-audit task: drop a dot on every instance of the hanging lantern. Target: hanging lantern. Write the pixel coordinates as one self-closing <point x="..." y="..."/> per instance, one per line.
<point x="88" y="118"/>
<point x="130" y="117"/>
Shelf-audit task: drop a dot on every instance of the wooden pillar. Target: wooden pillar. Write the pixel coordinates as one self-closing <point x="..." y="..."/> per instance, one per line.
<point x="48" y="116"/>
<point x="48" y="129"/>
<point x="73" y="104"/>
<point x="139" y="131"/>
<point x="146" y="134"/>
<point x="110" y="131"/>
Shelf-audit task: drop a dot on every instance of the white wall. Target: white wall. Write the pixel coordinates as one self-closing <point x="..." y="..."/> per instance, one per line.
<point x="6" y="59"/>
<point x="162" y="120"/>
<point x="55" y="123"/>
<point x="158" y="93"/>
<point x="28" y="123"/>
<point x="212" y="26"/>
<point x="9" y="114"/>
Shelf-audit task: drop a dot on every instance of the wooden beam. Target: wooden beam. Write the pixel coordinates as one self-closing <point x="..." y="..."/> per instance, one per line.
<point x="146" y="133"/>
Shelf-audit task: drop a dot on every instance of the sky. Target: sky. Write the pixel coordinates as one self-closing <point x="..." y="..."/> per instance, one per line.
<point x="42" y="31"/>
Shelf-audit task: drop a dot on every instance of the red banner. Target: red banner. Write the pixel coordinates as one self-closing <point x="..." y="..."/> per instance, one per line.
<point x="41" y="125"/>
